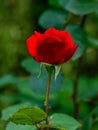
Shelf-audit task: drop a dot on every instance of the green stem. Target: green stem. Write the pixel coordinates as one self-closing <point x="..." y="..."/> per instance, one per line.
<point x="47" y="97"/>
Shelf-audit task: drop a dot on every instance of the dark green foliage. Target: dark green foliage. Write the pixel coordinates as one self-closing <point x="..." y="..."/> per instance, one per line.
<point x="62" y="122"/>
<point x="53" y="18"/>
<point x="12" y="126"/>
<point x="28" y="116"/>
<point x="23" y="81"/>
<point x="79" y="7"/>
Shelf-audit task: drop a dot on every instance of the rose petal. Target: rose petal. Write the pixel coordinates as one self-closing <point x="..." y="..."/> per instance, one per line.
<point x="38" y="35"/>
<point x="32" y="44"/>
<point x="48" y="51"/>
<point x="67" y="55"/>
<point x="63" y="35"/>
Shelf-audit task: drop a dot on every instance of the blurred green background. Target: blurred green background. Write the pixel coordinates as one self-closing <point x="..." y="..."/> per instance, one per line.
<point x="18" y="19"/>
<point x="18" y="73"/>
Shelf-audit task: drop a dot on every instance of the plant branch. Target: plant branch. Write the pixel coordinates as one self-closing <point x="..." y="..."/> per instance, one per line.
<point x="67" y="21"/>
<point x="75" y="90"/>
<point x="47" y="97"/>
<point x="75" y="87"/>
<point x="82" y="24"/>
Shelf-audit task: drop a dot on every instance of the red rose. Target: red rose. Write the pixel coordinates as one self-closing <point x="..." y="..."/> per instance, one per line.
<point x="52" y="47"/>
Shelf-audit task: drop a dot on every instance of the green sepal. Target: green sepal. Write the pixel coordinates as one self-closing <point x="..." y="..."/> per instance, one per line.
<point x="57" y="70"/>
<point x="40" y="71"/>
<point x="49" y="68"/>
<point x="53" y="68"/>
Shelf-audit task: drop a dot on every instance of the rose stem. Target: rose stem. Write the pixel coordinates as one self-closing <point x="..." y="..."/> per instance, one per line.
<point x="75" y="87"/>
<point x="47" y="97"/>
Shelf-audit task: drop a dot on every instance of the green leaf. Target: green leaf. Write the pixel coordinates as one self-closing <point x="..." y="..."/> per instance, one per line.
<point x="62" y="122"/>
<point x="54" y="3"/>
<point x="93" y="42"/>
<point x="31" y="66"/>
<point x="53" y="18"/>
<point x="79" y="7"/>
<point x="25" y="92"/>
<point x="9" y="111"/>
<point x="7" y="79"/>
<point x="12" y="126"/>
<point x="87" y="124"/>
<point x="38" y="85"/>
<point x="88" y="88"/>
<point x="28" y="116"/>
<point x="23" y="87"/>
<point x="80" y="38"/>
<point x="67" y="87"/>
<point x="63" y="3"/>
<point x="88" y="121"/>
<point x="95" y="126"/>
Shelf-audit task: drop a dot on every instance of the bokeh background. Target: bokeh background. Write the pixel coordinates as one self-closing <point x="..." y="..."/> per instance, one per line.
<point x="19" y="84"/>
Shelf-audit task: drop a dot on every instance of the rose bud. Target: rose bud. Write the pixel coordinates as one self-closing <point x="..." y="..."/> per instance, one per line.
<point x="52" y="47"/>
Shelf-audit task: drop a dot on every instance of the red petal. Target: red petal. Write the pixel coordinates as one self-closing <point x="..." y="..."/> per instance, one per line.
<point x="38" y="35"/>
<point x="63" y="35"/>
<point x="32" y="46"/>
<point x="67" y="55"/>
<point x="53" y="47"/>
<point x="49" y="49"/>
<point x="50" y="31"/>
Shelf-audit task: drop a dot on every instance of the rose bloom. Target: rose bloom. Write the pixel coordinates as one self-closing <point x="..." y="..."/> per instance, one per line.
<point x="52" y="47"/>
